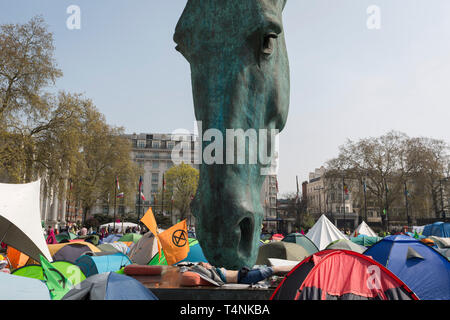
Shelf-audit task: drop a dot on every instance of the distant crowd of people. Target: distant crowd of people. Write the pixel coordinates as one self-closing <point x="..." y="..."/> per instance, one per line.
<point x="50" y="233"/>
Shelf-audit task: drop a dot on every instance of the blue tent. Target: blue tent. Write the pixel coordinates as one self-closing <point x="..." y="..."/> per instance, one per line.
<point x="438" y="229"/>
<point x="110" y="286"/>
<point x="91" y="265"/>
<point x="195" y="253"/>
<point x="111" y="238"/>
<point x="424" y="270"/>
<point x="21" y="288"/>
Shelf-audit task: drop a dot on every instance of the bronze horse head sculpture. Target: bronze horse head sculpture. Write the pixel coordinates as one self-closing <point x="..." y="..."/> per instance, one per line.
<point x="240" y="80"/>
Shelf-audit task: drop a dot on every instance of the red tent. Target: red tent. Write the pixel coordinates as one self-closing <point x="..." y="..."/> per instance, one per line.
<point x="341" y="275"/>
<point x="277" y="237"/>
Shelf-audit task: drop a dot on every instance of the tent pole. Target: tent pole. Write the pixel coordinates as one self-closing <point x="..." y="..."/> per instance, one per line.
<point x="6" y="232"/>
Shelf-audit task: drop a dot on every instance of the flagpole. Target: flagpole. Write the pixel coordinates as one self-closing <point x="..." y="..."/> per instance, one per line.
<point x="162" y="204"/>
<point x="343" y="203"/>
<point x="115" y="197"/>
<point x="139" y="198"/>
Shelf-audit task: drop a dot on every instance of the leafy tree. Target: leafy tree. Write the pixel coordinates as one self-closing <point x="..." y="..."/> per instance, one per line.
<point x="27" y="65"/>
<point x="181" y="186"/>
<point x="386" y="164"/>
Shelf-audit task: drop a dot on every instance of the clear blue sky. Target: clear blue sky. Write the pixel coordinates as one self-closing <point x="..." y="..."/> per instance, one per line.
<point x="347" y="82"/>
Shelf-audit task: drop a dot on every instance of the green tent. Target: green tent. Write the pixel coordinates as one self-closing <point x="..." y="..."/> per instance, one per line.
<point x="281" y="250"/>
<point x="302" y="240"/>
<point x="69" y="270"/>
<point x="91" y="238"/>
<point x="107" y="247"/>
<point x="365" y="241"/>
<point x="345" y="244"/>
<point x="65" y="236"/>
<point x="127" y="237"/>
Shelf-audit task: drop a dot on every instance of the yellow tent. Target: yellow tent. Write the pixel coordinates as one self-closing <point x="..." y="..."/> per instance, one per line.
<point x="54" y="248"/>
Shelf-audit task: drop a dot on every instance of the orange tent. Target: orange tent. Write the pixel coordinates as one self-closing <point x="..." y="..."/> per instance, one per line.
<point x="16" y="258"/>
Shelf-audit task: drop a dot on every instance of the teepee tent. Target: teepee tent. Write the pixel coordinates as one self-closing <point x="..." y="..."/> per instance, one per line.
<point x="324" y="232"/>
<point x="20" y="219"/>
<point x="364" y="229"/>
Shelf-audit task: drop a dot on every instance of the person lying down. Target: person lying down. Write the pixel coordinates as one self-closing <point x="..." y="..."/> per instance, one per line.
<point x="221" y="276"/>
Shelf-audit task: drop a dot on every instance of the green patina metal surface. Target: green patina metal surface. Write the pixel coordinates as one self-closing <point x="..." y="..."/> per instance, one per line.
<point x="240" y="80"/>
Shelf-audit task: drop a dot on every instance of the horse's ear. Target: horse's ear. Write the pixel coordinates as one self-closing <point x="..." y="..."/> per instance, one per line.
<point x="284" y="3"/>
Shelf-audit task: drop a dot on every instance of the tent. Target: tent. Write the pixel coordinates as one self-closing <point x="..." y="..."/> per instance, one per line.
<point x="418" y="229"/>
<point x="365" y="241"/>
<point x="144" y="250"/>
<point x="91" y="265"/>
<point x="107" y="247"/>
<point x="277" y="237"/>
<point x="444" y="251"/>
<point x="20" y="219"/>
<point x="341" y="275"/>
<point x="345" y="244"/>
<point x="71" y="251"/>
<point x="111" y="238"/>
<point x="323" y="232"/>
<point x="134" y="237"/>
<point x="438" y="229"/>
<point x="110" y="286"/>
<point x="120" y="226"/>
<point x="420" y="267"/>
<point x="20" y="288"/>
<point x="280" y="250"/>
<point x="65" y="236"/>
<point x="114" y="247"/>
<point x="195" y="254"/>
<point x="67" y="269"/>
<point x="91" y="238"/>
<point x="441" y="242"/>
<point x="302" y="240"/>
<point x="16" y="258"/>
<point x="364" y="229"/>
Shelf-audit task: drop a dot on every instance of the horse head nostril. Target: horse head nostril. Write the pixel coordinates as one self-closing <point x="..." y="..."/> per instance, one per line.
<point x="246" y="240"/>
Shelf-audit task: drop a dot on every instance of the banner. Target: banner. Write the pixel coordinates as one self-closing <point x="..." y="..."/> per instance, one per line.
<point x="175" y="242"/>
<point x="150" y="222"/>
<point x="56" y="282"/>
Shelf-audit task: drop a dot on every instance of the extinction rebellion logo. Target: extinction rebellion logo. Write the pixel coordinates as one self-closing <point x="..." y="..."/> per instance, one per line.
<point x="179" y="238"/>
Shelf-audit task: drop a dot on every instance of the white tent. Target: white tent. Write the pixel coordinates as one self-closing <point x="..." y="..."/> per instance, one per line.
<point x="119" y="225"/>
<point x="324" y="232"/>
<point x="20" y="219"/>
<point x="364" y="229"/>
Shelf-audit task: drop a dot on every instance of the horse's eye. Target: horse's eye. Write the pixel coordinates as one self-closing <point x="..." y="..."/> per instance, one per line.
<point x="268" y="43"/>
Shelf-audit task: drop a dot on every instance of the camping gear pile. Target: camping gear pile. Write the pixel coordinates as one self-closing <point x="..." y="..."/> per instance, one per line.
<point x="326" y="264"/>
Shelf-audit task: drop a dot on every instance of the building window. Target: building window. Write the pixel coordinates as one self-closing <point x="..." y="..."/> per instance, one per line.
<point x="155" y="145"/>
<point x="170" y="145"/>
<point x="154" y="188"/>
<point x="155" y="165"/>
<point x="105" y="209"/>
<point x="141" y="144"/>
<point x="121" y="209"/>
<point x="155" y="177"/>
